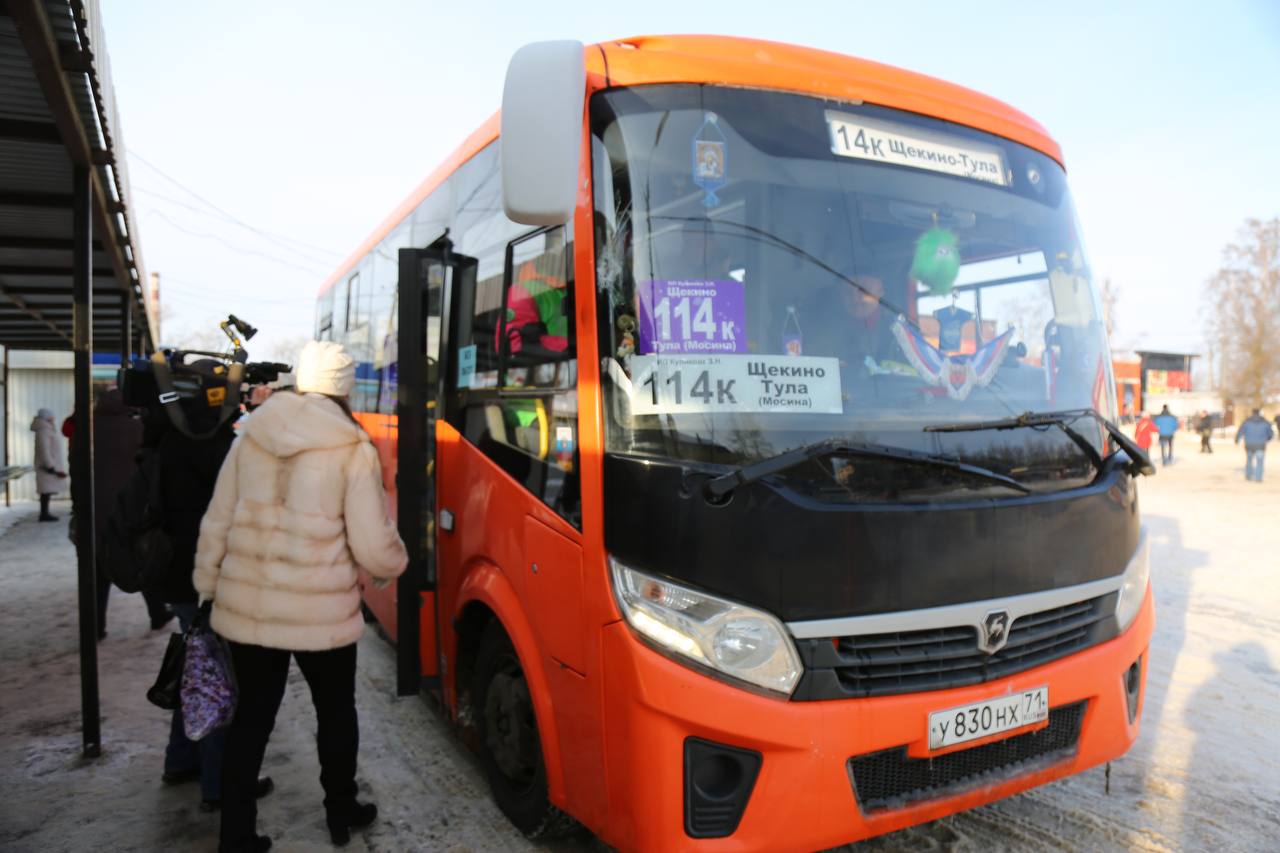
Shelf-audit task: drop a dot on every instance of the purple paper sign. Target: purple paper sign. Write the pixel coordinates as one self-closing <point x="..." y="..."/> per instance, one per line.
<point x="692" y="316"/>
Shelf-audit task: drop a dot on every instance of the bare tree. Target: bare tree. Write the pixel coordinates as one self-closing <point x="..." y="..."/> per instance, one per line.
<point x="208" y="338"/>
<point x="1243" y="319"/>
<point x="285" y="349"/>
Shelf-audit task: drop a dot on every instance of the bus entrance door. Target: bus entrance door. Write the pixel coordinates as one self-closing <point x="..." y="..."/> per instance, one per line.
<point x="426" y="278"/>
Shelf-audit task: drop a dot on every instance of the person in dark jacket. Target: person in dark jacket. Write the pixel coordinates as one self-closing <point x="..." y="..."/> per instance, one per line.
<point x="1255" y="432"/>
<point x="850" y="321"/>
<point x="188" y="471"/>
<point x="117" y="434"/>
<point x="1204" y="426"/>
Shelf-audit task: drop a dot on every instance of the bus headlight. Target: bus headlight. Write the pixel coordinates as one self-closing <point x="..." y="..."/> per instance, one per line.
<point x="1133" y="586"/>
<point x="691" y="626"/>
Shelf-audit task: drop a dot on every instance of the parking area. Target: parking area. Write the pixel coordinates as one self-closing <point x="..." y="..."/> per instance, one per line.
<point x="1203" y="775"/>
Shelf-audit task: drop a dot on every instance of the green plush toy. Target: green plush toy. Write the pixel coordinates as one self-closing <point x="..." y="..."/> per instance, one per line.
<point x="937" y="260"/>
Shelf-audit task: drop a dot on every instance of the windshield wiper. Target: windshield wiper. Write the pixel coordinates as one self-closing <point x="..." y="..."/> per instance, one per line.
<point x="1139" y="462"/>
<point x="721" y="486"/>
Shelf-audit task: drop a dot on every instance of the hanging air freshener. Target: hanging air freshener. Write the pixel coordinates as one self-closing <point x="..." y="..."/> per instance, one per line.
<point x="792" y="343"/>
<point x="709" y="158"/>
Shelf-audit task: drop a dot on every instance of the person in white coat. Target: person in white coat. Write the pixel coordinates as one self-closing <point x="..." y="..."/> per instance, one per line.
<point x="297" y="512"/>
<point x="50" y="474"/>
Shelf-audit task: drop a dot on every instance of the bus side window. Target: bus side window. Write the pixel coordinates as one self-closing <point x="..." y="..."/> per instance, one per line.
<point x="537" y="336"/>
<point x="485" y="321"/>
<point x="534" y="437"/>
<point x="324" y="320"/>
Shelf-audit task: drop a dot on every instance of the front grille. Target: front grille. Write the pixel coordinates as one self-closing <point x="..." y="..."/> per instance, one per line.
<point x="890" y="779"/>
<point x="933" y="659"/>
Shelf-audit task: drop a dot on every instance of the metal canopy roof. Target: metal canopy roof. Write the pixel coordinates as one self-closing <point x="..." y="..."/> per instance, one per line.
<point x="57" y="112"/>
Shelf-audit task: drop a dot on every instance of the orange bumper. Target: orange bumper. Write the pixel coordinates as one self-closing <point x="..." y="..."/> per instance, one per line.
<point x="803" y="798"/>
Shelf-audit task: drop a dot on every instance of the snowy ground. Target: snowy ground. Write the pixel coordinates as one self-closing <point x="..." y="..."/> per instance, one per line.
<point x="430" y="791"/>
<point x="1205" y="774"/>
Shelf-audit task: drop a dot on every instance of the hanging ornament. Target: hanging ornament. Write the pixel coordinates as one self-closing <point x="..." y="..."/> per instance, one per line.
<point x="937" y="260"/>
<point x="709" y="153"/>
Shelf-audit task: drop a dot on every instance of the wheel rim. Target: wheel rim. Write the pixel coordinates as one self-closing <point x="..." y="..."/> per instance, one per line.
<point x="511" y="730"/>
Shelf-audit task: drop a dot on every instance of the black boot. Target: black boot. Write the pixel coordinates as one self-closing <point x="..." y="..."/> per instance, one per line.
<point x="263" y="787"/>
<point x="342" y="821"/>
<point x="258" y="844"/>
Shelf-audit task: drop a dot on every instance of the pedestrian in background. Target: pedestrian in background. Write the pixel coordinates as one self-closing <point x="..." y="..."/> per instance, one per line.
<point x="298" y="510"/>
<point x="47" y="460"/>
<point x="1204" y="426"/>
<point x="1166" y="425"/>
<point x="1255" y="432"/>
<point x="1145" y="432"/>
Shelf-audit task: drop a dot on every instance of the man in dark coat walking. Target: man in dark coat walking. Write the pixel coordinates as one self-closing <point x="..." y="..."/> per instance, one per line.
<point x="188" y="472"/>
<point x="1204" y="426"/>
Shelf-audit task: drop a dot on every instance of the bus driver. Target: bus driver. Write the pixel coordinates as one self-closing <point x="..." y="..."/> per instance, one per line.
<point x="852" y="322"/>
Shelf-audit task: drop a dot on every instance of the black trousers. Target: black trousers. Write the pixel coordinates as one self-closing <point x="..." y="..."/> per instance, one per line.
<point x="156" y="610"/>
<point x="261" y="675"/>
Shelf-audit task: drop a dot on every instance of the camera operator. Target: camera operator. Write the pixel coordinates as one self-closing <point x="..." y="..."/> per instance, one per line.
<point x="189" y="468"/>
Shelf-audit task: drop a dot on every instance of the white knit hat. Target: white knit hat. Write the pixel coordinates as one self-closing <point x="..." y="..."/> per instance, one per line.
<point x="325" y="367"/>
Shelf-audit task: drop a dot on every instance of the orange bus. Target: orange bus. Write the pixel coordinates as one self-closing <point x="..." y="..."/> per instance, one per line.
<point x="748" y="414"/>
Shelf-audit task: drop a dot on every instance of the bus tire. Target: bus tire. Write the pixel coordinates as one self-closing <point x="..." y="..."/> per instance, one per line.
<point x="510" y="745"/>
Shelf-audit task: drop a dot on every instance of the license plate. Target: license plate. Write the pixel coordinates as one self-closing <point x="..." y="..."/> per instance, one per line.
<point x="981" y="719"/>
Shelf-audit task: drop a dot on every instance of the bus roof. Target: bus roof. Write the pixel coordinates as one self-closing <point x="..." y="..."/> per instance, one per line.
<point x="771" y="65"/>
<point x="756" y="64"/>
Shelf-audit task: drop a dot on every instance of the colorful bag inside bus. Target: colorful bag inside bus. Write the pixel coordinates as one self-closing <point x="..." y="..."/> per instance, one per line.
<point x="535" y="312"/>
<point x="208" y="684"/>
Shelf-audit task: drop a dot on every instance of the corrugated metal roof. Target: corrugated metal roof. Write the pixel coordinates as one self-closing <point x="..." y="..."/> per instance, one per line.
<point x="34" y="222"/>
<point x="33" y="166"/>
<point x="17" y="257"/>
<point x="36" y="171"/>
<point x="20" y="96"/>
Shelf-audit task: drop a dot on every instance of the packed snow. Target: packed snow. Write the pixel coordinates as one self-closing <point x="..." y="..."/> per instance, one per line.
<point x="1204" y="774"/>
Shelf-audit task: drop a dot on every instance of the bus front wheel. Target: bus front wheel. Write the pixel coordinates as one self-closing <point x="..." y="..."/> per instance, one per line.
<point x="510" y="746"/>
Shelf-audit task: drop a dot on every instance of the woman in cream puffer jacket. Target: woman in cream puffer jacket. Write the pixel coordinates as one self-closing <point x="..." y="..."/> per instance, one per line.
<point x="297" y="511"/>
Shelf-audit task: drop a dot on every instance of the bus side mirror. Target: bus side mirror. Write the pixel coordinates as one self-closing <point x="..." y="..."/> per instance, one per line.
<point x="542" y="132"/>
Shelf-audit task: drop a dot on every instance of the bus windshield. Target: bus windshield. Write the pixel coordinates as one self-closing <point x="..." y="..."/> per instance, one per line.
<point x="778" y="270"/>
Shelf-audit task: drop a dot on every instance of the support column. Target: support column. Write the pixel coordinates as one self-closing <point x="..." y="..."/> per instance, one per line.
<point x="8" y="495"/>
<point x="82" y="453"/>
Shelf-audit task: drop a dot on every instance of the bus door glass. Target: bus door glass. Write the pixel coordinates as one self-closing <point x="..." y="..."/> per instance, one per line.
<point x="426" y="279"/>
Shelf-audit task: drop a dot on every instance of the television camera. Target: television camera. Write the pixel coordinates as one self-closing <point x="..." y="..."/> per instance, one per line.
<point x="220" y="381"/>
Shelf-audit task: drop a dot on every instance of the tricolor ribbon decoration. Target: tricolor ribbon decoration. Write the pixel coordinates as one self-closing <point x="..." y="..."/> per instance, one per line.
<point x="957" y="374"/>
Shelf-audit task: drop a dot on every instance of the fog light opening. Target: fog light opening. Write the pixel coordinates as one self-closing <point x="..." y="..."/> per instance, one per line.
<point x="717" y="777"/>
<point x="1132" y="688"/>
<point x="718" y="781"/>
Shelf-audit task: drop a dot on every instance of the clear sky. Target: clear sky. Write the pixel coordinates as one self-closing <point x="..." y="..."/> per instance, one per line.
<point x="310" y="121"/>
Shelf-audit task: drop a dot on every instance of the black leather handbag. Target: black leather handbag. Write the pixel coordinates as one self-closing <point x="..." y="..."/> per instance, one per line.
<point x="165" y="692"/>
